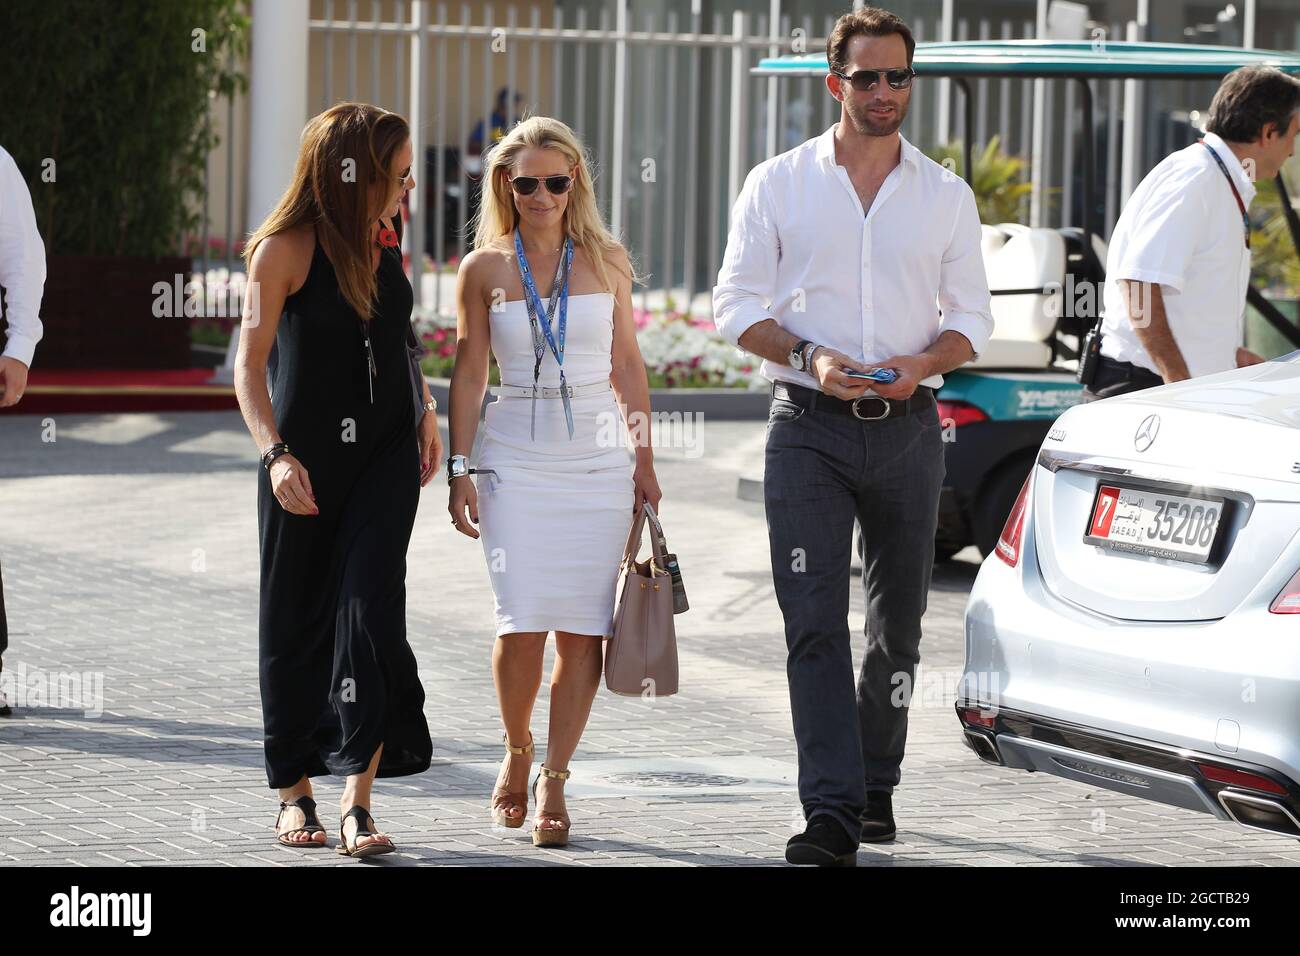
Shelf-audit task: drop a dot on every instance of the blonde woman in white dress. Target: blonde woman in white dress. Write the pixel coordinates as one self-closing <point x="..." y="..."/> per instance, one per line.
<point x="557" y="483"/>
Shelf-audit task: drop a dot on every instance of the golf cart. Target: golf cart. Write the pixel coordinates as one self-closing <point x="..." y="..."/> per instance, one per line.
<point x="998" y="410"/>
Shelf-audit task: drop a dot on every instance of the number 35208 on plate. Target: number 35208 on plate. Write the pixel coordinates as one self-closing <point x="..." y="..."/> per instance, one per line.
<point x="1178" y="527"/>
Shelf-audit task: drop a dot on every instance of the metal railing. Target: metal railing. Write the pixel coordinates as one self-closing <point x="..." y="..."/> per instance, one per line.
<point x="665" y="104"/>
<point x="667" y="108"/>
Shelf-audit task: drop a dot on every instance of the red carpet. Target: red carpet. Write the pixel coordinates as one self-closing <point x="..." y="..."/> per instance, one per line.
<point x="122" y="390"/>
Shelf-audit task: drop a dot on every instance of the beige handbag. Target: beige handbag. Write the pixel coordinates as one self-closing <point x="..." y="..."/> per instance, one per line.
<point x="641" y="658"/>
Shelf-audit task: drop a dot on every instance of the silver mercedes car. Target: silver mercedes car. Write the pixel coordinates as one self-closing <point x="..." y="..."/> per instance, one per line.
<point x="1135" y="629"/>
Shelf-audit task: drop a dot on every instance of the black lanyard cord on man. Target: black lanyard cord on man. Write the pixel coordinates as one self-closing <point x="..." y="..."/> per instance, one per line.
<point x="1245" y="219"/>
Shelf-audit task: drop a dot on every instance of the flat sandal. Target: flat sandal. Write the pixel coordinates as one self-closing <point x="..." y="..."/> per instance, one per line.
<point x="373" y="848"/>
<point x="311" y="823"/>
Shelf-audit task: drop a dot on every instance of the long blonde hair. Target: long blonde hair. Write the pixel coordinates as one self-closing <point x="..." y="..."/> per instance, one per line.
<point x="497" y="215"/>
<point x="345" y="151"/>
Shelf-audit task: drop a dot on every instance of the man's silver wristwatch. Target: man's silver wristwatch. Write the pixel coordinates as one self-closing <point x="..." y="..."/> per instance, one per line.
<point x="798" y="360"/>
<point x="801" y="355"/>
<point x="457" y="467"/>
<point x="431" y="405"/>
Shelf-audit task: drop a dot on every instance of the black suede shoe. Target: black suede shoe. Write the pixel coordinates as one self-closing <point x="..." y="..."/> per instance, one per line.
<point x="878" y="818"/>
<point x="824" y="843"/>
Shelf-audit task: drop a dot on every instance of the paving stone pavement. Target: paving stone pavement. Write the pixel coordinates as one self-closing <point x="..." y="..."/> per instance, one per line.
<point x="129" y="548"/>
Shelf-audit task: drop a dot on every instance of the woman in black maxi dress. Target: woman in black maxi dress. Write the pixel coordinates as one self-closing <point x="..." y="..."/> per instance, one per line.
<point x="338" y="678"/>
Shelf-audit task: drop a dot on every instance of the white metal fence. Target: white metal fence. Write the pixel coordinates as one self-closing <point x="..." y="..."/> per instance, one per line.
<point x="665" y="104"/>
<point x="670" y="114"/>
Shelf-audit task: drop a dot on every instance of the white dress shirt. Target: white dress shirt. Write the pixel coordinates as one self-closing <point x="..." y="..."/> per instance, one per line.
<point x="1182" y="229"/>
<point x="869" y="283"/>
<point x="22" y="263"/>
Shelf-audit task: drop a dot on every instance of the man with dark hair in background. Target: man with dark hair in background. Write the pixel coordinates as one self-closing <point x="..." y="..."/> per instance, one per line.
<point x="22" y="278"/>
<point x="480" y="141"/>
<point x="1178" y="265"/>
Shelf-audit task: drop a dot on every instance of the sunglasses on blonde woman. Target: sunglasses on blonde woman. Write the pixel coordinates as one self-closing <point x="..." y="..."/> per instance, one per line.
<point x="527" y="185"/>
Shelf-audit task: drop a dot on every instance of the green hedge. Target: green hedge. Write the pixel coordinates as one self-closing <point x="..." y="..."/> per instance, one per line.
<point x="116" y="94"/>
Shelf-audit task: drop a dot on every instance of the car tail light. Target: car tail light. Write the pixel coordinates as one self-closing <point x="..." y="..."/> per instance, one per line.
<point x="1240" y="778"/>
<point x="1008" y="548"/>
<point x="960" y="413"/>
<point x="1288" y="599"/>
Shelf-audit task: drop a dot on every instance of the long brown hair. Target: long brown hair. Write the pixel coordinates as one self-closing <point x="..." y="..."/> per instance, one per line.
<point x="497" y="215"/>
<point x="345" y="151"/>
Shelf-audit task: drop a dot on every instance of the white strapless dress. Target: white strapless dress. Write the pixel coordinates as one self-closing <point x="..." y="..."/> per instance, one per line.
<point x="555" y="515"/>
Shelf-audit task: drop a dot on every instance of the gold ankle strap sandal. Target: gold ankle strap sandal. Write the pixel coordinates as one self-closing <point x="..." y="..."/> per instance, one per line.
<point x="554" y="835"/>
<point x="503" y="800"/>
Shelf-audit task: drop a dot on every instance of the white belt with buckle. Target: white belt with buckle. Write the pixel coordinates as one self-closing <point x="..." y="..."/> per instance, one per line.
<point x="550" y="391"/>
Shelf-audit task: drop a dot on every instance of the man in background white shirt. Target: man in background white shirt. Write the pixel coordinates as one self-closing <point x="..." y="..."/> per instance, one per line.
<point x="22" y="276"/>
<point x="849" y="253"/>
<point x="1178" y="265"/>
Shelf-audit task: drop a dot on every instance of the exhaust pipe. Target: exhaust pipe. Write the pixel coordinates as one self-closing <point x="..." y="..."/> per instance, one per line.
<point x="984" y="747"/>
<point x="1259" y="813"/>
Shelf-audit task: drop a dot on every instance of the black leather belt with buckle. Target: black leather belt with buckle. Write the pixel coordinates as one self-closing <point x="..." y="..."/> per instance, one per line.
<point x="868" y="408"/>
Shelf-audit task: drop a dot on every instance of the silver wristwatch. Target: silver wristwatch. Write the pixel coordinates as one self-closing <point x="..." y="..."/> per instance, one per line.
<point x="457" y="467"/>
<point x="431" y="405"/>
<point x="798" y="359"/>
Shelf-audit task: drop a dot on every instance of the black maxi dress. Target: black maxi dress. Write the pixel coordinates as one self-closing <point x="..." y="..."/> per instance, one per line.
<point x="338" y="678"/>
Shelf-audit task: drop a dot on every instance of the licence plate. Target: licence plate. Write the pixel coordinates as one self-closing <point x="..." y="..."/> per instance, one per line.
<point x="1178" y="527"/>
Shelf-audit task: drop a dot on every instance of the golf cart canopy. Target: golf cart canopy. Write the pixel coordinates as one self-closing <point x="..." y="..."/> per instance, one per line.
<point x="1079" y="59"/>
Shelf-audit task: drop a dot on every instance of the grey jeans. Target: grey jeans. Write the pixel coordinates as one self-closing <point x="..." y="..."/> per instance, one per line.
<point x="823" y="470"/>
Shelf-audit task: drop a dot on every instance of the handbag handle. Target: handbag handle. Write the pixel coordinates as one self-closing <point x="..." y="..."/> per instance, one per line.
<point x="657" y="530"/>
<point x="657" y="543"/>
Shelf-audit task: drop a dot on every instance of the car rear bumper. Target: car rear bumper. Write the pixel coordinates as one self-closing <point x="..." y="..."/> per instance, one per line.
<point x="1258" y="797"/>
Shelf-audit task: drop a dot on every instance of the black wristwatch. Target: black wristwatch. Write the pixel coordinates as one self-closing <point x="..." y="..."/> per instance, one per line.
<point x="797" y="360"/>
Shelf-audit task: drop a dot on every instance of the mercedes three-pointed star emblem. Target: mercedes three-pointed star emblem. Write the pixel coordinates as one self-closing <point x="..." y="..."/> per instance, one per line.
<point x="1146" y="432"/>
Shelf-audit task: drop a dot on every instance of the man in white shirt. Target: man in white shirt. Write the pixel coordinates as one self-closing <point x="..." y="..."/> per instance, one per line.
<point x="1178" y="265"/>
<point x="22" y="274"/>
<point x="22" y="279"/>
<point x="849" y="253"/>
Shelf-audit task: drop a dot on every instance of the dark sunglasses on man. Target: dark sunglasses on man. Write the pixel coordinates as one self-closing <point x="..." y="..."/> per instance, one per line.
<point x="863" y="80"/>
<point x="527" y="185"/>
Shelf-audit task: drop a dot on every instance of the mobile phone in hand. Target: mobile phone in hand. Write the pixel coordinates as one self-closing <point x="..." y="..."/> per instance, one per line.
<point x="885" y="376"/>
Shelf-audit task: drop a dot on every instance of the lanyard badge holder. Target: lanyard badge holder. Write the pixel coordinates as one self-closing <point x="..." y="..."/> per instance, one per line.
<point x="543" y="337"/>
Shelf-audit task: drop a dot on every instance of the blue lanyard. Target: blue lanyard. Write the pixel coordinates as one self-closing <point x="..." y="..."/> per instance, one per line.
<point x="543" y="337"/>
<point x="1245" y="219"/>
